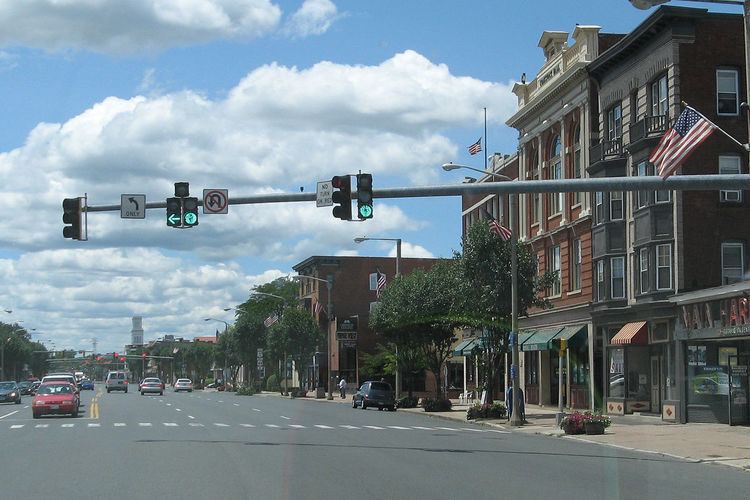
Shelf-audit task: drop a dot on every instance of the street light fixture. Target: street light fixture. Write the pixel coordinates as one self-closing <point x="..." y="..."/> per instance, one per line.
<point x="515" y="418"/>
<point x="329" y="286"/>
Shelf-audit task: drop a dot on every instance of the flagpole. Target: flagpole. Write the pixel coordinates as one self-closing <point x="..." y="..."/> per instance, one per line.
<point x="486" y="150"/>
<point x="746" y="147"/>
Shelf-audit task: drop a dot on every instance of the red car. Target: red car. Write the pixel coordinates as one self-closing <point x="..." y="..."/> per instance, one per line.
<point x="55" y="398"/>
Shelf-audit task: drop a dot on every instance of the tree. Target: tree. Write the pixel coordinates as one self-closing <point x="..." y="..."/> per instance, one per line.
<point x="297" y="336"/>
<point x="227" y="353"/>
<point x="487" y="290"/>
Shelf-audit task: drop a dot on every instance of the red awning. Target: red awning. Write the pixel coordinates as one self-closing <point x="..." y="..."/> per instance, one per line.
<point x="632" y="333"/>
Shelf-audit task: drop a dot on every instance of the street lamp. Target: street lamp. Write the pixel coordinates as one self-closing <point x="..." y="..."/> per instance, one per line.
<point x="647" y="4"/>
<point x="329" y="286"/>
<point x="515" y="418"/>
<point x="398" y="273"/>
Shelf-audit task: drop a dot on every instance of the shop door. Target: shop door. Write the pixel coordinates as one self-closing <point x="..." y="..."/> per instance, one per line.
<point x="656" y="362"/>
<point x="739" y="391"/>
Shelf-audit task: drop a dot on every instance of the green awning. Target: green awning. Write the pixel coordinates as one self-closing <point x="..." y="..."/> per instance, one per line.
<point x="466" y="347"/>
<point x="575" y="335"/>
<point x="525" y="335"/>
<point x="540" y="340"/>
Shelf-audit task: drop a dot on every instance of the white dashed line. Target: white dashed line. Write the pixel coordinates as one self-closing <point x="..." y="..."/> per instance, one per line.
<point x="67" y="426"/>
<point x="191" y="417"/>
<point x="373" y="427"/>
<point x="349" y="426"/>
<point x="192" y="424"/>
<point x="472" y="430"/>
<point x="399" y="428"/>
<point x="285" y="418"/>
<point x="177" y="409"/>
<point x="16" y="426"/>
<point x="220" y="401"/>
<point x="144" y="424"/>
<point x="247" y="425"/>
<point x="498" y="431"/>
<point x="25" y="407"/>
<point x="255" y="409"/>
<point x="319" y="426"/>
<point x="43" y="426"/>
<point x="119" y="424"/>
<point x="94" y="425"/>
<point x="221" y="425"/>
<point x="297" y="426"/>
<point x="235" y="404"/>
<point x="422" y="428"/>
<point x="9" y="414"/>
<point x="273" y="426"/>
<point x="170" y="424"/>
<point x="169" y="404"/>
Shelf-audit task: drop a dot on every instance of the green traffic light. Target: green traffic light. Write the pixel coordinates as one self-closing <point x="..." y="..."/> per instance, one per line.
<point x="190" y="218"/>
<point x="365" y="211"/>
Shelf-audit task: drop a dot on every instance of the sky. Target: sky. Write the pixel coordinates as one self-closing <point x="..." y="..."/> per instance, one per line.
<point x="106" y="97"/>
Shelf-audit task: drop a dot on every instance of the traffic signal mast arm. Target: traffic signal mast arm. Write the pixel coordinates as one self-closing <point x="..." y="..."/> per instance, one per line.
<point x="675" y="182"/>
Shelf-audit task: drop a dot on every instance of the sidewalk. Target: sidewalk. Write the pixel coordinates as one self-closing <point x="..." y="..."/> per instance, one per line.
<point x="706" y="443"/>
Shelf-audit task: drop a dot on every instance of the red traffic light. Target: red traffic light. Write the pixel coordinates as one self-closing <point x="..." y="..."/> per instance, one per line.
<point x="115" y="355"/>
<point x="144" y="354"/>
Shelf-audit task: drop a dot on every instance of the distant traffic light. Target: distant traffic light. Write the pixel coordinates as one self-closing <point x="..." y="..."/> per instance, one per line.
<point x="190" y="212"/>
<point x="364" y="196"/>
<point x="174" y="212"/>
<point x="72" y="217"/>
<point x="342" y="197"/>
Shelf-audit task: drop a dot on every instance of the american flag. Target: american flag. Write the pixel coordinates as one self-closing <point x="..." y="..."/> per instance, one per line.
<point x="690" y="130"/>
<point x="318" y="307"/>
<point x="497" y="228"/>
<point x="476" y="147"/>
<point x="271" y="320"/>
<point x="381" y="284"/>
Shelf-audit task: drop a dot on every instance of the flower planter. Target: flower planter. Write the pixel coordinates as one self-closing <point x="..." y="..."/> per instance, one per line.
<point x="593" y="428"/>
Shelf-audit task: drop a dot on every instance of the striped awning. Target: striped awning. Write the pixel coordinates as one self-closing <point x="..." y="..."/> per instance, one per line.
<point x="540" y="340"/>
<point x="466" y="347"/>
<point x="635" y="333"/>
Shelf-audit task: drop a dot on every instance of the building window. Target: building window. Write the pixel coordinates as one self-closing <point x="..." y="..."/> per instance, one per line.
<point x="642" y="196"/>
<point x="599" y="207"/>
<point x="600" y="280"/>
<point x="729" y="165"/>
<point x="732" y="263"/>
<point x="664" y="267"/>
<point x="615" y="205"/>
<point x="633" y="106"/>
<point x="553" y="265"/>
<point x="555" y="172"/>
<point x="373" y="281"/>
<point x="617" y="267"/>
<point x="614" y="122"/>
<point x="577" y="170"/>
<point x="644" y="269"/>
<point x="659" y="97"/>
<point x="576" y="260"/>
<point x="727" y="92"/>
<point x="663" y="196"/>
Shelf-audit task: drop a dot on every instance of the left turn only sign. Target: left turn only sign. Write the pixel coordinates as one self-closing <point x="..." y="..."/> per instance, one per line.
<point x="132" y="206"/>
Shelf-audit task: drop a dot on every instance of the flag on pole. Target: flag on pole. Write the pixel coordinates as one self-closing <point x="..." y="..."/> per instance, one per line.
<point x="271" y="320"/>
<point x="381" y="284"/>
<point x="317" y="308"/>
<point x="689" y="131"/>
<point x="476" y="147"/>
<point x="497" y="228"/>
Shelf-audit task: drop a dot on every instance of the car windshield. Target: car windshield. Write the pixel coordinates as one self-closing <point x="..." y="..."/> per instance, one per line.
<point x="380" y="386"/>
<point x="7" y="385"/>
<point x="152" y="381"/>
<point x="55" y="389"/>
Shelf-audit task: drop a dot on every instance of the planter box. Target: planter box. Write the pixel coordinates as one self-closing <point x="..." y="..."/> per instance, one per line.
<point x="593" y="428"/>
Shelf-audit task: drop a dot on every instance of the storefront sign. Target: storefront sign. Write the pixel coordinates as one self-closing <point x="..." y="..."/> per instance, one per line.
<point x="348" y="336"/>
<point x="732" y="316"/>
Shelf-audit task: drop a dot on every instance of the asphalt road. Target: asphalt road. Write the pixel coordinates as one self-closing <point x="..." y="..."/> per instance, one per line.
<point x="218" y="445"/>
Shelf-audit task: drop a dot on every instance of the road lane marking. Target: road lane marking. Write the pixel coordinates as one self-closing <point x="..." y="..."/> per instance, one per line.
<point x="273" y="426"/>
<point x="399" y="428"/>
<point x="120" y="424"/>
<point x="178" y="409"/>
<point x="446" y="428"/>
<point x="297" y="426"/>
<point x="373" y="427"/>
<point x="94" y="425"/>
<point x="191" y="417"/>
<point x="43" y="426"/>
<point x="170" y="424"/>
<point x="144" y="424"/>
<point x="472" y="430"/>
<point x="235" y="404"/>
<point x="285" y="418"/>
<point x="221" y="425"/>
<point x="16" y="426"/>
<point x="220" y="401"/>
<point x="320" y="426"/>
<point x="25" y="407"/>
<point x="67" y="425"/>
<point x="422" y="428"/>
<point x="349" y="426"/>
<point x="193" y="424"/>
<point x="255" y="409"/>
<point x="169" y="404"/>
<point x="247" y="425"/>
<point x="498" y="431"/>
<point x="9" y="414"/>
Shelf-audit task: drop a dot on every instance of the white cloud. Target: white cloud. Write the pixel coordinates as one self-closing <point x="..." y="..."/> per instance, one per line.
<point x="314" y="17"/>
<point x="134" y="25"/>
<point x="412" y="250"/>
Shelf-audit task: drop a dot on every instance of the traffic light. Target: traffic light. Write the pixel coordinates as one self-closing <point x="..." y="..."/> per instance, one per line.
<point x="144" y="355"/>
<point x="364" y="196"/>
<point x="174" y="212"/>
<point x="189" y="212"/>
<point x="342" y="197"/>
<point x="72" y="217"/>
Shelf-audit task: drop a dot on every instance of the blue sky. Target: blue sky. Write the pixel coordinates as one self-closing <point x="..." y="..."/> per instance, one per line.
<point x="107" y="97"/>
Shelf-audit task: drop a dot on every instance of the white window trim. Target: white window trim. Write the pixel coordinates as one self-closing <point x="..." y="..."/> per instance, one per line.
<point x="657" y="104"/>
<point x="551" y="260"/>
<point x="723" y="193"/>
<point x="612" y="277"/>
<point x="599" y="202"/>
<point x="622" y="205"/>
<point x="669" y="252"/>
<point x="577" y="267"/>
<point x="641" y="254"/>
<point x="600" y="282"/>
<point x="742" y="258"/>
<point x="736" y="87"/>
<point x="373" y="277"/>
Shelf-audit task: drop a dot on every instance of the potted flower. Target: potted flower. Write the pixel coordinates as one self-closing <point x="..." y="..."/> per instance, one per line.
<point x="595" y="423"/>
<point x="573" y="423"/>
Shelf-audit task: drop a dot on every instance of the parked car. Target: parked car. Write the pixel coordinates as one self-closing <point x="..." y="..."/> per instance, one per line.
<point x="9" y="393"/>
<point x="55" y="398"/>
<point x="117" y="381"/>
<point x="375" y="394"/>
<point x="87" y="385"/>
<point x="152" y="385"/>
<point x="183" y="384"/>
<point x="24" y="387"/>
<point x="218" y="385"/>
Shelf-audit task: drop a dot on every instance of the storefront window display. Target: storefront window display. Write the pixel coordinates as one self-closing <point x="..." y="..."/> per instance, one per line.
<point x="616" y="373"/>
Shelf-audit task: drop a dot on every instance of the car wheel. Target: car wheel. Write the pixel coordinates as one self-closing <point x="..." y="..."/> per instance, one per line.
<point x="35" y="415"/>
<point x="161" y="393"/>
<point x="126" y="391"/>
<point x="364" y="405"/>
<point x="393" y="408"/>
<point x="75" y="413"/>
<point x="108" y="391"/>
<point x="18" y="401"/>
<point x="354" y="403"/>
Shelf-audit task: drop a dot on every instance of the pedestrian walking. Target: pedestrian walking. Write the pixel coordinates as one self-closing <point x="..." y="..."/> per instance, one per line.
<point x="342" y="387"/>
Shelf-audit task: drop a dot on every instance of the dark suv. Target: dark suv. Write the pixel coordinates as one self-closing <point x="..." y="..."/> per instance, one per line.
<point x="376" y="394"/>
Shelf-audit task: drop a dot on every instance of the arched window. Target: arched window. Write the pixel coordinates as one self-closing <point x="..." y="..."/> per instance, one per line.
<point x="555" y="172"/>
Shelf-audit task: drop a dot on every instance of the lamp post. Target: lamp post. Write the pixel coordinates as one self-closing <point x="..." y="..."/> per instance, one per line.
<point x="647" y="4"/>
<point x="398" y="273"/>
<point x="515" y="418"/>
<point x="329" y="286"/>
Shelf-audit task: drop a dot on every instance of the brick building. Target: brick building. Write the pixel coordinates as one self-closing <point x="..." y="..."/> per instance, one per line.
<point x="353" y="297"/>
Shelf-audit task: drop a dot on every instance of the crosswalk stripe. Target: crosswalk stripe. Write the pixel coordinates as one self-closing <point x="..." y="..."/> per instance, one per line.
<point x="319" y="426"/>
<point x="349" y="426"/>
<point x="397" y="427"/>
<point x="247" y="425"/>
<point x="170" y="424"/>
<point x="67" y="425"/>
<point x="94" y="425"/>
<point x="119" y="424"/>
<point x="373" y="427"/>
<point x="221" y="425"/>
<point x="144" y="424"/>
<point x="43" y="426"/>
<point x="422" y="428"/>
<point x="16" y="426"/>
<point x="273" y="426"/>
<point x="297" y="426"/>
<point x="193" y="424"/>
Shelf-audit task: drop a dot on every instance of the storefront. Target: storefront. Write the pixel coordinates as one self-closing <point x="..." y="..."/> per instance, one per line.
<point x="713" y="345"/>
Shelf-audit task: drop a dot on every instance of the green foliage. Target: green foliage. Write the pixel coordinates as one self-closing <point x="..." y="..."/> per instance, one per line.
<point x="245" y="390"/>
<point x="407" y="402"/>
<point x="296" y="335"/>
<point x="19" y="350"/>
<point x="272" y="384"/>
<point x="494" y="410"/>
<point x="437" y="404"/>
<point x="378" y="365"/>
